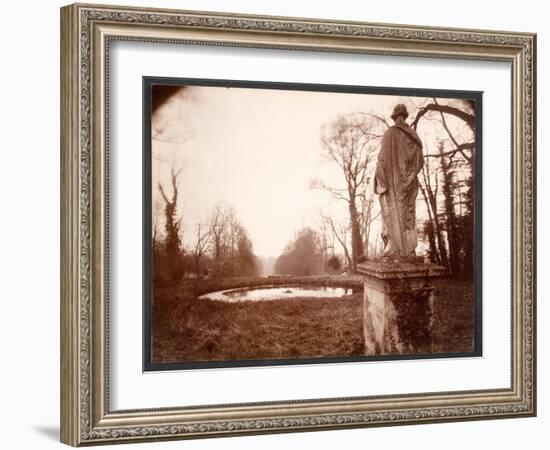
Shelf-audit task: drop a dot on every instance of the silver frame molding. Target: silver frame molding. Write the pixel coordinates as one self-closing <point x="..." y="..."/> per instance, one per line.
<point x="86" y="31"/>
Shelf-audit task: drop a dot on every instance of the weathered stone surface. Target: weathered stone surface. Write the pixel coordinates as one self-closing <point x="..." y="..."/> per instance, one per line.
<point x="398" y="307"/>
<point x="398" y="292"/>
<point x="382" y="270"/>
<point x="396" y="182"/>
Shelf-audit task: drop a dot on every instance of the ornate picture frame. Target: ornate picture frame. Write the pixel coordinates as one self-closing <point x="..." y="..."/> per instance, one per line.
<point x="87" y="31"/>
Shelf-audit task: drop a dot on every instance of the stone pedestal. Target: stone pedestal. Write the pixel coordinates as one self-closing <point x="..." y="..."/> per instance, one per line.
<point x="398" y="307"/>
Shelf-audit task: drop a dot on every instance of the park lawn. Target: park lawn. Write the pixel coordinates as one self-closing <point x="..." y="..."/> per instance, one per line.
<point x="185" y="328"/>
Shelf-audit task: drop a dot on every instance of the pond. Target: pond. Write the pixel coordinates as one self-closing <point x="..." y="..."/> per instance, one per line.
<point x="261" y="293"/>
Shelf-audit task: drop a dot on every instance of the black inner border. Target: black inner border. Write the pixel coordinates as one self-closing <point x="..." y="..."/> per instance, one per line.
<point x="147" y="84"/>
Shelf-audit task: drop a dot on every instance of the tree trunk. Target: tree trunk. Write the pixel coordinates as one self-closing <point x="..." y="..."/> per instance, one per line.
<point x="197" y="267"/>
<point x="451" y="217"/>
<point x="435" y="256"/>
<point x="432" y="204"/>
<point x="356" y="239"/>
<point x="366" y="227"/>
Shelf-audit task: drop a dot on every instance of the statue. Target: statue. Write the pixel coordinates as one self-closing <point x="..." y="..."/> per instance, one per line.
<point x="396" y="183"/>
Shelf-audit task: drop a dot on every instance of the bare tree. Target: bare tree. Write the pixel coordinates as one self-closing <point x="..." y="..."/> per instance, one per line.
<point x="202" y="245"/>
<point x="157" y="212"/>
<point x="231" y="247"/>
<point x="172" y="227"/>
<point x="327" y="238"/>
<point x="430" y="193"/>
<point x="340" y="232"/>
<point x="367" y="218"/>
<point x="465" y="116"/>
<point x="217" y="226"/>
<point x="349" y="142"/>
<point x="455" y="171"/>
<point x="233" y="232"/>
<point x="451" y="220"/>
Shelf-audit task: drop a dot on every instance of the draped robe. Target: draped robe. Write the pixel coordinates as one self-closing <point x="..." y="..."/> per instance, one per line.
<point x="396" y="182"/>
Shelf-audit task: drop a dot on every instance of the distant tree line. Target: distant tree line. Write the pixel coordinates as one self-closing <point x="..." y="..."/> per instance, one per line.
<point x="220" y="245"/>
<point x="306" y="255"/>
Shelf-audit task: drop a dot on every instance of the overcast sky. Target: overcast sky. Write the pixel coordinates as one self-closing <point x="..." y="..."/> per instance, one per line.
<point x="256" y="150"/>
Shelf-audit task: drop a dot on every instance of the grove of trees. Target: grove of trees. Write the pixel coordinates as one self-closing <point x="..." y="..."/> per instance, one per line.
<point x="447" y="185"/>
<point x="445" y="209"/>
<point x="301" y="256"/>
<point x="220" y="244"/>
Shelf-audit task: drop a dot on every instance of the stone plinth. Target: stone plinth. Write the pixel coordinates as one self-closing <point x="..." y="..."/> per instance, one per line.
<point x="398" y="307"/>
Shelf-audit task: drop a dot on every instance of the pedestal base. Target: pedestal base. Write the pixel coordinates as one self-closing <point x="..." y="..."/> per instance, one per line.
<point x="398" y="307"/>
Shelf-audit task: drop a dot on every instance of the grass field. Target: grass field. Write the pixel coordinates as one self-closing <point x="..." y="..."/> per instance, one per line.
<point x="185" y="328"/>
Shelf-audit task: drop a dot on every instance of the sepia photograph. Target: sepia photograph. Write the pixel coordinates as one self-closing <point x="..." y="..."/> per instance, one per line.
<point x="298" y="223"/>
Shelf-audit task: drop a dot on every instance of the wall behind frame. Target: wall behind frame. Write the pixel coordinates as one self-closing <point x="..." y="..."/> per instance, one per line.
<point x="29" y="228"/>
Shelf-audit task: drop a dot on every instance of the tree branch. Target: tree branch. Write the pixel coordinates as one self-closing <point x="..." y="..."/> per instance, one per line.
<point x="469" y="119"/>
<point x="459" y="149"/>
<point x="381" y="119"/>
